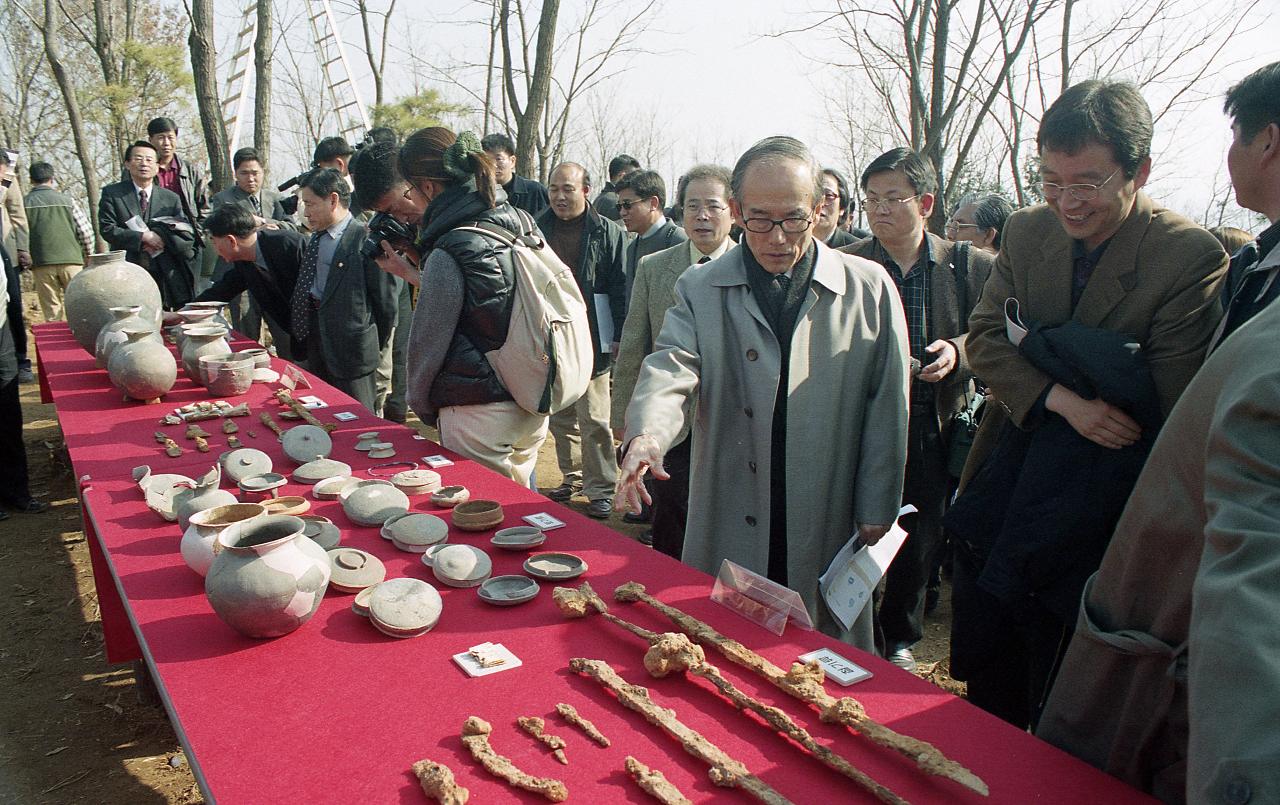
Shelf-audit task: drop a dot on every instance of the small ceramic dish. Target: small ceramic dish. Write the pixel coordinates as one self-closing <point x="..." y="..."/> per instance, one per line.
<point x="404" y="607"/>
<point x="262" y="485"/>
<point x="429" y="555"/>
<point x="416" y="532"/>
<point x="519" y="538"/>
<point x="304" y="443"/>
<point x="318" y="470"/>
<point x="331" y="488"/>
<point x="352" y="569"/>
<point x="449" y="496"/>
<point x="366" y="440"/>
<point x="555" y="566"/>
<point x="461" y="565"/>
<point x="415" y="482"/>
<point x="360" y="604"/>
<point x="289" y="504"/>
<point x="507" y="591"/>
<point x="321" y="531"/>
<point x="382" y="450"/>
<point x="477" y="515"/>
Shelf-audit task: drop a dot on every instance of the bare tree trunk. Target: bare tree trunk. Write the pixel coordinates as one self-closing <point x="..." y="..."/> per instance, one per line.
<point x="54" y="57"/>
<point x="204" y="61"/>
<point x="377" y="60"/>
<point x="262" y="84"/>
<point x="1066" y="44"/>
<point x="488" y="70"/>
<point x="529" y="118"/>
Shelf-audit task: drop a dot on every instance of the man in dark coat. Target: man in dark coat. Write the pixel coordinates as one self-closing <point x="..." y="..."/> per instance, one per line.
<point x="593" y="247"/>
<point x="132" y="214"/>
<point x="642" y="198"/>
<point x="523" y="194"/>
<point x="263" y="262"/>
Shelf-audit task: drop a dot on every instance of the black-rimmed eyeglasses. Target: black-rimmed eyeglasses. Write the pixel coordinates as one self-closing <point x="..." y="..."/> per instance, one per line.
<point x="791" y="226"/>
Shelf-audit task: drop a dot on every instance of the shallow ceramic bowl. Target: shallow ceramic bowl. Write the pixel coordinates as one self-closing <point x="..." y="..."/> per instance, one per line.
<point x="226" y="375"/>
<point x="320" y="469"/>
<point x="416" y="532"/>
<point x="404" y="607"/>
<point x="416" y="482"/>
<point x="519" y="538"/>
<point x="332" y="488"/>
<point x="321" y="531"/>
<point x="477" y="515"/>
<point x="366" y="440"/>
<point x="289" y="504"/>
<point x="382" y="450"/>
<point x="555" y="566"/>
<point x="304" y="443"/>
<point x="449" y="496"/>
<point x="461" y="565"/>
<point x="374" y="504"/>
<point x="261" y="358"/>
<point x="507" y="591"/>
<point x="262" y="483"/>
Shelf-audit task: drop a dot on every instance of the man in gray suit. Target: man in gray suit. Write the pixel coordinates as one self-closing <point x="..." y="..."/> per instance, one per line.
<point x="796" y="356"/>
<point x="704" y="200"/>
<point x="642" y="196"/>
<point x="344" y="306"/>
<point x="265" y="204"/>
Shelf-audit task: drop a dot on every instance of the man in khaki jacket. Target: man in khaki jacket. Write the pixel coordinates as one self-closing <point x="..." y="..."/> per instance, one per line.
<point x="796" y="356"/>
<point x="1101" y="253"/>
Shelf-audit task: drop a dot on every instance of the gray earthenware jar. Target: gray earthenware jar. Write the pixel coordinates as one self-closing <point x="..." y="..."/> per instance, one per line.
<point x="113" y="335"/>
<point x="201" y="340"/>
<point x="107" y="281"/>
<point x="268" y="578"/>
<point x="141" y="367"/>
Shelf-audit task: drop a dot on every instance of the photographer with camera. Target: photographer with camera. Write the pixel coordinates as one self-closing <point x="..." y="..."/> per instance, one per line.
<point x="392" y="230"/>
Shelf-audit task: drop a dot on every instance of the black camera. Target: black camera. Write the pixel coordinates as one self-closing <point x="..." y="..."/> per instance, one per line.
<point x="385" y="227"/>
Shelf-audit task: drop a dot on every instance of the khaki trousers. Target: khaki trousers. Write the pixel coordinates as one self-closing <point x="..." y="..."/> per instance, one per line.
<point x="583" y="429"/>
<point x="502" y="436"/>
<point x="51" y="286"/>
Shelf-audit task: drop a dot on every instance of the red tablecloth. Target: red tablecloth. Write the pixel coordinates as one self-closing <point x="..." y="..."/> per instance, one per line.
<point x="336" y="712"/>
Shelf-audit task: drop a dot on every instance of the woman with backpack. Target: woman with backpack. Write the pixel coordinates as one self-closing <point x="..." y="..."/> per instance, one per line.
<point x="464" y="307"/>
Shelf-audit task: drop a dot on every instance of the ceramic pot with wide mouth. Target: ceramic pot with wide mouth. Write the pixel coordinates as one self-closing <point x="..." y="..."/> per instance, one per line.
<point x="227" y="375"/>
<point x="142" y="368"/>
<point x="217" y="311"/>
<point x="199" y="541"/>
<point x="204" y="495"/>
<point x="449" y="496"/>
<point x="261" y="358"/>
<point x="186" y="316"/>
<point x="113" y="335"/>
<point x="477" y="515"/>
<point x="268" y="578"/>
<point x="159" y="489"/>
<point x="106" y="281"/>
<point x="202" y="339"/>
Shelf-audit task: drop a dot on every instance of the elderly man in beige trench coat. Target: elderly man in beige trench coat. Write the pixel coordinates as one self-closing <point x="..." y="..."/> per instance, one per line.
<point x="779" y="481"/>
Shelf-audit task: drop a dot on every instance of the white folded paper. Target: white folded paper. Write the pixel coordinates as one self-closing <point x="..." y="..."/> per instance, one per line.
<point x="847" y="583"/>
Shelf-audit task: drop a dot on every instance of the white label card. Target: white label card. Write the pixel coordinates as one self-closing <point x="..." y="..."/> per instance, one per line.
<point x="435" y="462"/>
<point x="543" y="520"/>
<point x="345" y="416"/>
<point x="491" y="651"/>
<point x="836" y="667"/>
<point x="311" y="401"/>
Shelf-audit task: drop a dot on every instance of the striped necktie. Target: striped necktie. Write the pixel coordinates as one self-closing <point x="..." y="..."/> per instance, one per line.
<point x="300" y="303"/>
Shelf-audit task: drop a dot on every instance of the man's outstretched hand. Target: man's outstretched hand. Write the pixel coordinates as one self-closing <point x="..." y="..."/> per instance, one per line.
<point x="643" y="455"/>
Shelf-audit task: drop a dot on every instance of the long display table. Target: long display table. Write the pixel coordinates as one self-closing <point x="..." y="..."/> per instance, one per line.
<point x="337" y="712"/>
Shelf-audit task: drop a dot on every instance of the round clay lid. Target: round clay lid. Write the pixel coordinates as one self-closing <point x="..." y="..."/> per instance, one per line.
<point x="320" y="469"/>
<point x="461" y="565"/>
<point x="405" y="605"/>
<point x="331" y="488"/>
<point x="417" y="481"/>
<point x="374" y="504"/>
<point x="360" y="604"/>
<point x="321" y="531"/>
<point x="417" y="531"/>
<point x="353" y="569"/>
<point x="245" y="462"/>
<point x="304" y="443"/>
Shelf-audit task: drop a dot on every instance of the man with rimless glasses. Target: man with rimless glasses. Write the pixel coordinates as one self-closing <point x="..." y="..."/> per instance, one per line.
<point x="1101" y="255"/>
<point x="788" y="361"/>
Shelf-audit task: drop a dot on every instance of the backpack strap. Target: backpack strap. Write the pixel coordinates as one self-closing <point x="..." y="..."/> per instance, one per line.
<point x="528" y="236"/>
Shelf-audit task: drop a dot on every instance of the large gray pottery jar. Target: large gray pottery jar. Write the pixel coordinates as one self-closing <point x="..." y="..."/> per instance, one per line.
<point x="107" y="281"/>
<point x="268" y="578"/>
<point x="202" y="339"/>
<point x="141" y="367"/>
<point x="112" y="335"/>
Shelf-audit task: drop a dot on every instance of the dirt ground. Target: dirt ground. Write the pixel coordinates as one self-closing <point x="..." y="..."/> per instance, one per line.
<point x="76" y="730"/>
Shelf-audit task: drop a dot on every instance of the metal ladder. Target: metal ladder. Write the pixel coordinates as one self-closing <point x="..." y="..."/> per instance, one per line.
<point x="235" y="91"/>
<point x="348" y="107"/>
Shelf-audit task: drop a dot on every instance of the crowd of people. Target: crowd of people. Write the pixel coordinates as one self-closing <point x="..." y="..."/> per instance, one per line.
<point x="769" y="382"/>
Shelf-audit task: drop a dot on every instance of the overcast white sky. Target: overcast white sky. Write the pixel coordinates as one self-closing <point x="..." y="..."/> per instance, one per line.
<point x="714" y="83"/>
